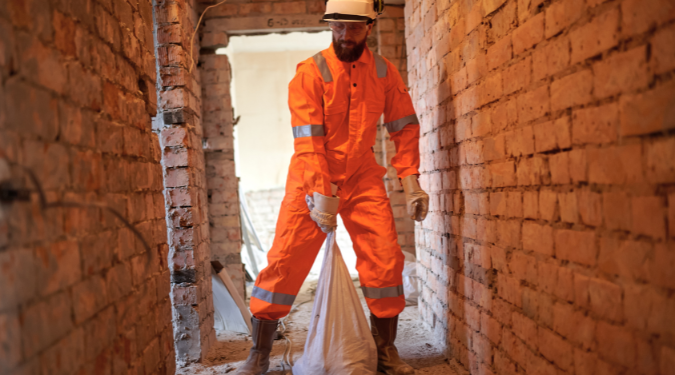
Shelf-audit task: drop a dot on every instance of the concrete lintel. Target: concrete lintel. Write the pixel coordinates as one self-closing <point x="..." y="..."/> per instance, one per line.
<point x="265" y="24"/>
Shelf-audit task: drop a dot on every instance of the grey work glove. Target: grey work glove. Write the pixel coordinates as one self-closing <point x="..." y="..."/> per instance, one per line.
<point x="323" y="210"/>
<point x="417" y="201"/>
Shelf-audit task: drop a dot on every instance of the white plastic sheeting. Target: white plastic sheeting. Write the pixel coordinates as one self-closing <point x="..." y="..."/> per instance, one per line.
<point x="410" y="280"/>
<point x="339" y="341"/>
<point x="227" y="314"/>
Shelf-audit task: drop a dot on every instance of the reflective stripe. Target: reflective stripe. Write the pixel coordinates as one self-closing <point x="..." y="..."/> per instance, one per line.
<point x="381" y="65"/>
<point x="308" y="131"/>
<point x="276" y="298"/>
<point x="377" y="293"/>
<point x="320" y="62"/>
<point x="399" y="124"/>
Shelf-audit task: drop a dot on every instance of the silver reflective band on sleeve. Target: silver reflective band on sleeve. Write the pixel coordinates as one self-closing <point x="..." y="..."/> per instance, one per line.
<point x="377" y="293"/>
<point x="276" y="298"/>
<point x="399" y="124"/>
<point x="320" y="62"/>
<point x="381" y="65"/>
<point x="308" y="131"/>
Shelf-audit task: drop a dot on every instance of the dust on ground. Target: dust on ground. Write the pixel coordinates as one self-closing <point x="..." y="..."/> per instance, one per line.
<point x="414" y="343"/>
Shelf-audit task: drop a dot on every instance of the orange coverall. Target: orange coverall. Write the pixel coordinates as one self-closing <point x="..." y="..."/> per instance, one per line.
<point x="335" y="107"/>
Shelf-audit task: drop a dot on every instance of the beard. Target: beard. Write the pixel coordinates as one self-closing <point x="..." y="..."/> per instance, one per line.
<point x="348" y="54"/>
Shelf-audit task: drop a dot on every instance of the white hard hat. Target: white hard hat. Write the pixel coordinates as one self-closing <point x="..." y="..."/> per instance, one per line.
<point x="353" y="10"/>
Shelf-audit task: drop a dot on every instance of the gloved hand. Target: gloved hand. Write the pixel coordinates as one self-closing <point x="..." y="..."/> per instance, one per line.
<point x="323" y="210"/>
<point x="417" y="201"/>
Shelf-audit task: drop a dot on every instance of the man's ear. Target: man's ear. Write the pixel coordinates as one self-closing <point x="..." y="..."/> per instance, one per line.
<point x="370" y="28"/>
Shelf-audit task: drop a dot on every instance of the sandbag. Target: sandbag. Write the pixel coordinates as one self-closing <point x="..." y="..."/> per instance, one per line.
<point x="339" y="341"/>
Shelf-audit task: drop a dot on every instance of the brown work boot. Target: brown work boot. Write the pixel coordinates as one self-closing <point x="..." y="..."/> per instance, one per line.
<point x="384" y="333"/>
<point x="258" y="360"/>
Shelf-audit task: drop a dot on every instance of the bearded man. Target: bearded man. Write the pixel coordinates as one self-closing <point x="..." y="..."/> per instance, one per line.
<point x="336" y="99"/>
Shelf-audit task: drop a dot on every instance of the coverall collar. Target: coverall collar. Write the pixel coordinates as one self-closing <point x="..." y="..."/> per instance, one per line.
<point x="366" y="56"/>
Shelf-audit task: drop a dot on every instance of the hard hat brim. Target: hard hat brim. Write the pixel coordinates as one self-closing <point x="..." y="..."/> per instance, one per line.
<point x="338" y="17"/>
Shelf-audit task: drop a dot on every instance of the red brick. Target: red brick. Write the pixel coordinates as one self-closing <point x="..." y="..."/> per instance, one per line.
<point x="663" y="50"/>
<point x="552" y="135"/>
<point x="520" y="142"/>
<point x="560" y="169"/>
<point x="581" y="294"/>
<point x="576" y="246"/>
<point x="565" y="287"/>
<point x="529" y="34"/>
<point x="638" y="18"/>
<point x="556" y="349"/>
<point x="590" y="207"/>
<point x="671" y="214"/>
<point x="578" y="165"/>
<point x="531" y="204"/>
<point x="533" y="104"/>
<point x="523" y="267"/>
<point x="551" y="58"/>
<point x="510" y="290"/>
<point x="548" y="202"/>
<point x="667" y="359"/>
<point x="616" y="344"/>
<point x="259" y="8"/>
<point x="499" y="53"/>
<point x="628" y="259"/>
<point x="491" y="328"/>
<point x="518" y="76"/>
<point x="568" y="207"/>
<point x="597" y="36"/>
<point x="503" y="174"/>
<point x="616" y="210"/>
<point x="532" y="171"/>
<point x="620" y="73"/>
<point x="561" y="15"/>
<point x="605" y="299"/>
<point x="572" y="90"/>
<point x="490" y="6"/>
<point x="291" y="7"/>
<point x="615" y="165"/>
<point x="648" y="112"/>
<point x="526" y="329"/>
<point x="664" y="261"/>
<point x="649" y="216"/>
<point x="595" y="125"/>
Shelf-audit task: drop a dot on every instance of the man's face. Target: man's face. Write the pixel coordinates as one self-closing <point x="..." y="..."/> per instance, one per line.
<point x="349" y="39"/>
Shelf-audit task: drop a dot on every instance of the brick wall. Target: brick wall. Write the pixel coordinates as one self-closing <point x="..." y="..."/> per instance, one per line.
<point x="80" y="294"/>
<point x="180" y="126"/>
<point x="548" y="151"/>
<point x="390" y="34"/>
<point x="222" y="183"/>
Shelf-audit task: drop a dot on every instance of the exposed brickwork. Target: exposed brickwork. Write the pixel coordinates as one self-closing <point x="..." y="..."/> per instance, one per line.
<point x="390" y="33"/>
<point x="180" y="128"/>
<point x="548" y="154"/>
<point x="221" y="181"/>
<point x="80" y="294"/>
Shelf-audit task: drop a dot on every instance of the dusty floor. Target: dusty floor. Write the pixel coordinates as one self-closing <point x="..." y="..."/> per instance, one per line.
<point x="414" y="344"/>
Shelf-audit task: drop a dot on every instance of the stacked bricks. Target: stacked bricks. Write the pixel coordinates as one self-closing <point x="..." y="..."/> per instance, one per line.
<point x="548" y="150"/>
<point x="180" y="128"/>
<point x="80" y="293"/>
<point x="221" y="181"/>
<point x="390" y="33"/>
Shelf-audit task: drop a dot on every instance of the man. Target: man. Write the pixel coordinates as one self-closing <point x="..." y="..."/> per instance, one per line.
<point x="336" y="99"/>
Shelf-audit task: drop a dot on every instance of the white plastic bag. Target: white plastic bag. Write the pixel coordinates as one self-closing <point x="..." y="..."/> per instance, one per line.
<point x="410" y="279"/>
<point x="339" y="341"/>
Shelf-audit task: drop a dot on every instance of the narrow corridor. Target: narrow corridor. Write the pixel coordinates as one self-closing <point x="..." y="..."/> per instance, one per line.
<point x="415" y="345"/>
